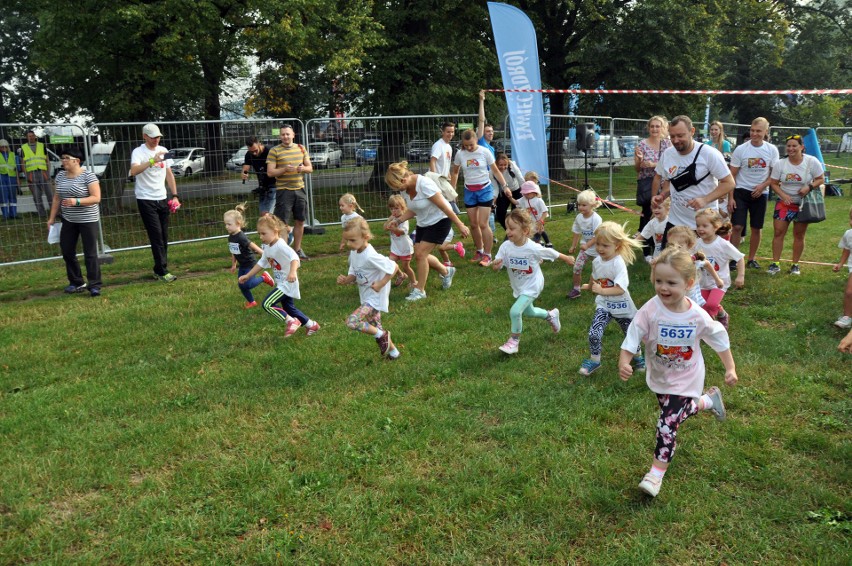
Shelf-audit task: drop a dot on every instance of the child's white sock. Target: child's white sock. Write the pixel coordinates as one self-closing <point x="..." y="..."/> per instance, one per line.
<point x="596" y="359"/>
<point x="657" y="472"/>
<point x="708" y="402"/>
<point x="311" y="322"/>
<point x="379" y="333"/>
<point x="576" y="287"/>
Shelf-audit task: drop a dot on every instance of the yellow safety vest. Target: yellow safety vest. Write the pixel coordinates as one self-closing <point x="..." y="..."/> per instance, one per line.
<point x="7" y="164"/>
<point x="34" y="161"/>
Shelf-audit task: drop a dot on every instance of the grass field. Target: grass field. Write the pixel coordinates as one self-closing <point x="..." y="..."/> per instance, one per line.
<point x="164" y="424"/>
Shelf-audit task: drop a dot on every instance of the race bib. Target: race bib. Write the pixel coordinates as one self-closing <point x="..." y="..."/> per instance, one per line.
<point x="234" y="248"/>
<point x="521" y="263"/>
<point x="618" y="307"/>
<point x="675" y="333"/>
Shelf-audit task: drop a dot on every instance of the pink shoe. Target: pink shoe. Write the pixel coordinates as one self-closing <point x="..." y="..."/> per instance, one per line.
<point x="477" y="257"/>
<point x="292" y="326"/>
<point x="485" y="261"/>
<point x="251" y="305"/>
<point x="459" y="247"/>
<point x="267" y="278"/>
<point x="311" y="330"/>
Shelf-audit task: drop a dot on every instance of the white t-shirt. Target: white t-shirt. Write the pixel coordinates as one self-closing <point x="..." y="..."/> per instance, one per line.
<point x="586" y="228"/>
<point x="655" y="229"/>
<point x="279" y="256"/>
<point x="608" y="274"/>
<point x="719" y="253"/>
<point x="476" y="165"/>
<point x="425" y="210"/>
<point x="401" y="246"/>
<point x="846" y="244"/>
<point x="150" y="184"/>
<point x="674" y="364"/>
<point x="523" y="265"/>
<point x="450" y="235"/>
<point x="535" y="206"/>
<point x="344" y="218"/>
<point x="443" y="153"/>
<point x="754" y="164"/>
<point x="672" y="163"/>
<point x="513" y="176"/>
<point x="795" y="177"/>
<point x="368" y="267"/>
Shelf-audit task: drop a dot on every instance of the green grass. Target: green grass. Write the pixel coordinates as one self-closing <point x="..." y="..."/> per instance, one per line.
<point x="163" y="424"/>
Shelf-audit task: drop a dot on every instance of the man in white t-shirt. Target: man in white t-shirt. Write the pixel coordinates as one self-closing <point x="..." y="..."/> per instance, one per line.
<point x="694" y="175"/>
<point x="441" y="156"/>
<point x="751" y="164"/>
<point x="153" y="171"/>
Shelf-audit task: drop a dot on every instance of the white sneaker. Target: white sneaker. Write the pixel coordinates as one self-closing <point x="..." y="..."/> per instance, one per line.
<point x="447" y="280"/>
<point x="511" y="346"/>
<point x="843" y="322"/>
<point x="651" y="484"/>
<point x="415" y="295"/>
<point x="553" y="319"/>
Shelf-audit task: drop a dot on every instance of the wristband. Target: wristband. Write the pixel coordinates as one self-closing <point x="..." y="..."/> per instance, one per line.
<point x="173" y="196"/>
<point x="78" y="202"/>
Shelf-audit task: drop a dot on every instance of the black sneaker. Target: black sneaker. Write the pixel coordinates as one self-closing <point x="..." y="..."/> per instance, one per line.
<point x="752" y="264"/>
<point x="732" y="265"/>
<point x="95" y="292"/>
<point x="71" y="289"/>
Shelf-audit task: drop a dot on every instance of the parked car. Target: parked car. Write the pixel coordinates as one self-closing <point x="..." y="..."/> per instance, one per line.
<point x="101" y="152"/>
<point x="325" y="154"/>
<point x="419" y="150"/>
<point x="367" y="151"/>
<point x="235" y="163"/>
<point x="187" y="160"/>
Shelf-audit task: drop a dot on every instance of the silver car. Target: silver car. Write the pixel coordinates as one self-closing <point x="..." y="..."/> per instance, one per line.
<point x="187" y="160"/>
<point x="235" y="163"/>
<point x="325" y="154"/>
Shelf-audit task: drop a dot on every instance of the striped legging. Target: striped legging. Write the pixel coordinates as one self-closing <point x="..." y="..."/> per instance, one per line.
<point x="275" y="296"/>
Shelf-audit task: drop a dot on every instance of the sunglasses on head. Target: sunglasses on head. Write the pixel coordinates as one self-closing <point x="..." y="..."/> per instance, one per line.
<point x="794" y="137"/>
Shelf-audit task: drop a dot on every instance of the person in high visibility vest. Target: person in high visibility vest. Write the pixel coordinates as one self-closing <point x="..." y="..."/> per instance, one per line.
<point x="8" y="182"/>
<point x="34" y="163"/>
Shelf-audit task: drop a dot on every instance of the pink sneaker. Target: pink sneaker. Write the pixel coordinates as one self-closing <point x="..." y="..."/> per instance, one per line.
<point x="510" y="347"/>
<point x="292" y="326"/>
<point x="477" y="257"/>
<point x="311" y="330"/>
<point x="267" y="278"/>
<point x="251" y="305"/>
<point x="485" y="261"/>
<point x="459" y="247"/>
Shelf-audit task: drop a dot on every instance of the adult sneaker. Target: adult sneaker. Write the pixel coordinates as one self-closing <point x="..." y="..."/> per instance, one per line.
<point x="95" y="292"/>
<point x="485" y="261"/>
<point x="651" y="484"/>
<point x="415" y="295"/>
<point x="732" y="265"/>
<point x="267" y="278"/>
<point x="752" y="264"/>
<point x="292" y="326"/>
<point x="511" y="346"/>
<point x="447" y="280"/>
<point x="574" y="294"/>
<point x="588" y="367"/>
<point x="71" y="289"/>
<point x="384" y="343"/>
<point x="774" y="269"/>
<point x="639" y="362"/>
<point x="311" y="330"/>
<point x="477" y="257"/>
<point x="843" y="322"/>
<point x="302" y="255"/>
<point x="718" y="408"/>
<point x="459" y="247"/>
<point x="794" y="269"/>
<point x="553" y="319"/>
<point x="167" y="277"/>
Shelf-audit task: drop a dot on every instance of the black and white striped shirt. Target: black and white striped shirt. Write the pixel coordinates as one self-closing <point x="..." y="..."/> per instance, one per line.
<point x="77" y="188"/>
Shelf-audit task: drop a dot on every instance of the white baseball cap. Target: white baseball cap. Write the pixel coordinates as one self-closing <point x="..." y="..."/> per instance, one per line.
<point x="4" y="143"/>
<point x="152" y="131"/>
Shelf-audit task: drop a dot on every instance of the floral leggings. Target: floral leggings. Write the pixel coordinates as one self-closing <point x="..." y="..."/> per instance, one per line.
<point x="674" y="409"/>
<point x="363" y="317"/>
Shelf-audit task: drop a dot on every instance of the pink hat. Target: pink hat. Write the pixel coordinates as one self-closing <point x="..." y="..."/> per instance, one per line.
<point x="530" y="187"/>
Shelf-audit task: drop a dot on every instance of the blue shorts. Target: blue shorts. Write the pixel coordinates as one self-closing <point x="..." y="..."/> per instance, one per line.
<point x="482" y="197"/>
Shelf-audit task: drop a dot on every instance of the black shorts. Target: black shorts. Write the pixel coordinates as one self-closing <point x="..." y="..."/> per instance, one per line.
<point x="290" y="205"/>
<point x="434" y="234"/>
<point x="748" y="205"/>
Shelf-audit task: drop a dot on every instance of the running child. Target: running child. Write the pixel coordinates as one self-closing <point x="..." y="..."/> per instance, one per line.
<point x="242" y="254"/>
<point x="401" y="246"/>
<point x="448" y="245"/>
<point x="685" y="238"/>
<point x="522" y="259"/>
<point x="656" y="227"/>
<point x="672" y="327"/>
<point x="609" y="282"/>
<point x="845" y="244"/>
<point x="531" y="201"/>
<point x="285" y="266"/>
<point x="719" y="252"/>
<point x="372" y="272"/>
<point x="585" y="224"/>
<point x="348" y="205"/>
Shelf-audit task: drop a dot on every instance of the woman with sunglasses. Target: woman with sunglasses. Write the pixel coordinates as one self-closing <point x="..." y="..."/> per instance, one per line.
<point x="791" y="179"/>
<point x="77" y="194"/>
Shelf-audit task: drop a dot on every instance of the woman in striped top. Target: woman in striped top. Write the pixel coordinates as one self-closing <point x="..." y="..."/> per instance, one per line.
<point x="78" y="193"/>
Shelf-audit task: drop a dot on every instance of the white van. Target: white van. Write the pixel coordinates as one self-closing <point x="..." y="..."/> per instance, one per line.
<point x="99" y="159"/>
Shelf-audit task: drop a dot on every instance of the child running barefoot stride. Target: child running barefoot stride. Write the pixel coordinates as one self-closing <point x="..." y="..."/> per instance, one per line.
<point x="584" y="227"/>
<point x="285" y="266"/>
<point x="347" y="205"/>
<point x="522" y="259"/>
<point x="242" y="253"/>
<point x="672" y="326"/>
<point x="719" y="252"/>
<point x="531" y="200"/>
<point x="401" y="247"/>
<point x="372" y="272"/>
<point x="616" y="249"/>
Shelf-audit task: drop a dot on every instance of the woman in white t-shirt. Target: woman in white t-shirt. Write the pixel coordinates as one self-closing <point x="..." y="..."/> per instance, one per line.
<point x="791" y="179"/>
<point x="435" y="218"/>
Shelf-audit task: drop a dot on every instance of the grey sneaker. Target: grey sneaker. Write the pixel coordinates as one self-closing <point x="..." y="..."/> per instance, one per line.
<point x="302" y="255"/>
<point x="773" y="269"/>
<point x="447" y="280"/>
<point x="794" y="269"/>
<point x="415" y="295"/>
<point x="843" y="322"/>
<point x="718" y="408"/>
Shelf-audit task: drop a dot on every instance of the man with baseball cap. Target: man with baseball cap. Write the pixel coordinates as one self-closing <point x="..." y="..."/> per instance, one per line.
<point x="8" y="182"/>
<point x="152" y="171"/>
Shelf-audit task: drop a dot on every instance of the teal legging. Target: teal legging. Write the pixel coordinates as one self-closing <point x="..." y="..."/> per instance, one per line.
<point x="524" y="307"/>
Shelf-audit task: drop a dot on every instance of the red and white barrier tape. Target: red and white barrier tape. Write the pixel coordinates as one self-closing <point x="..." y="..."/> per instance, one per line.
<point x="674" y="91"/>
<point x="838" y="166"/>
<point x="610" y="203"/>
